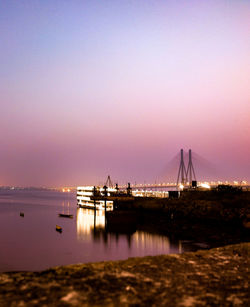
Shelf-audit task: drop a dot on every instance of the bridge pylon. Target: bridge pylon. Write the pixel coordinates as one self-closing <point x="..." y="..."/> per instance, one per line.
<point x="182" y="173"/>
<point x="190" y="169"/>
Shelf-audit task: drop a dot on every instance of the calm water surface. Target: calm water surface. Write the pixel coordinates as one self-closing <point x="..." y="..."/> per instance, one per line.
<point x="32" y="243"/>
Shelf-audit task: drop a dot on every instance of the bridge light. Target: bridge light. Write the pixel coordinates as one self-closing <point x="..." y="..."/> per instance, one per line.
<point x="205" y="185"/>
<point x="181" y="186"/>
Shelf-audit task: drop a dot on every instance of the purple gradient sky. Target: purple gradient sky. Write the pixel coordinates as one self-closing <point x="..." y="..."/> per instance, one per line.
<point x="91" y="88"/>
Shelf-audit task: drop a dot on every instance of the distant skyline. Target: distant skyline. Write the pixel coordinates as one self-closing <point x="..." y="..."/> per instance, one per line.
<point x="96" y="88"/>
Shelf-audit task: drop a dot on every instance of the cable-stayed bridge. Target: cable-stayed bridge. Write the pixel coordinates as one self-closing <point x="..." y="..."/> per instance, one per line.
<point x="185" y="174"/>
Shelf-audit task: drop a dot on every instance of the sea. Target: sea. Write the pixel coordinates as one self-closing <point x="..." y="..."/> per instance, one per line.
<point x="29" y="240"/>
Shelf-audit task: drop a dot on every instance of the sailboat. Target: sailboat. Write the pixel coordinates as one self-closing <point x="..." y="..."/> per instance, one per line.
<point x="65" y="214"/>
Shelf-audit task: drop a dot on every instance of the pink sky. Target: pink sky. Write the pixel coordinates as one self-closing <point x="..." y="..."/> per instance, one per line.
<point x="90" y="88"/>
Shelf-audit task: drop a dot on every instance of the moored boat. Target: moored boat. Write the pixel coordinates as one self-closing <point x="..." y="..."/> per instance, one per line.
<point x="65" y="215"/>
<point x="58" y="228"/>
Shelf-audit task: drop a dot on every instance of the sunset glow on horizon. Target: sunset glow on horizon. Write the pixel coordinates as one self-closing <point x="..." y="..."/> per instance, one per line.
<point x="92" y="88"/>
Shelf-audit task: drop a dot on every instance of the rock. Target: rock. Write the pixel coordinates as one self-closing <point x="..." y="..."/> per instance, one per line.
<point x="217" y="277"/>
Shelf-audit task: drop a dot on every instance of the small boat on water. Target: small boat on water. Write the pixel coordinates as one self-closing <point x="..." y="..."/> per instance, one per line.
<point x="22" y="214"/>
<point x="58" y="228"/>
<point x="65" y="215"/>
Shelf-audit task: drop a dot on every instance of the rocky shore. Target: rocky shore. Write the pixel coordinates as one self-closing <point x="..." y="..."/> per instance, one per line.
<point x="216" y="277"/>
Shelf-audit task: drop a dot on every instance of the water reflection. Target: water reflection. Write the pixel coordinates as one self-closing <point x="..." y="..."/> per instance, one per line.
<point x="144" y="240"/>
<point x="65" y="207"/>
<point x="91" y="226"/>
<point x="88" y="222"/>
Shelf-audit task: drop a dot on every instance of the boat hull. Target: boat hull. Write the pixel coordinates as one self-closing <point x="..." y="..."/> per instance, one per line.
<point x="65" y="215"/>
<point x="58" y="228"/>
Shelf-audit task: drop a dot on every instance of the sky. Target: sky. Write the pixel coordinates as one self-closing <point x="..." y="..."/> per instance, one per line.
<point x="96" y="88"/>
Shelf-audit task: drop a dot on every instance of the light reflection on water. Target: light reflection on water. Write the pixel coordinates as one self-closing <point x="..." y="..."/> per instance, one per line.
<point x="155" y="242"/>
<point x="65" y="207"/>
<point x="87" y="221"/>
<point x="91" y="225"/>
<point x="32" y="243"/>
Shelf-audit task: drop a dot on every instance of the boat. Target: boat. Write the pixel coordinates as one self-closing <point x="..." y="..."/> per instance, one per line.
<point x="22" y="214"/>
<point x="85" y="194"/>
<point x="65" y="215"/>
<point x="58" y="228"/>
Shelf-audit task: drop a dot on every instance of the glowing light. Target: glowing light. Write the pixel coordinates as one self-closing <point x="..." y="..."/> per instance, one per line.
<point x="205" y="185"/>
<point x="84" y="197"/>
<point x="87" y="220"/>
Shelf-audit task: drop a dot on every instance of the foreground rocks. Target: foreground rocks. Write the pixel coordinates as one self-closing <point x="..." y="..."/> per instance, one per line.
<point x="217" y="277"/>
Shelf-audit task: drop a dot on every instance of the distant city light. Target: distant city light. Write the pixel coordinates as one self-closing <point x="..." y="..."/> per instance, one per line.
<point x="65" y="190"/>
